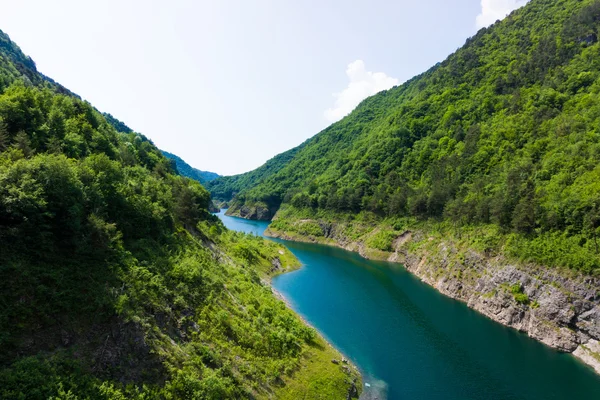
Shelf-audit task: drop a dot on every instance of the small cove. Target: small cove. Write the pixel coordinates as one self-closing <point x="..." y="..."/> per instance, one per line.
<point x="411" y="342"/>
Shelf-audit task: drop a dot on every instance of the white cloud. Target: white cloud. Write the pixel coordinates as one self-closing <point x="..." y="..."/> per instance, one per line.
<point x="493" y="10"/>
<point x="362" y="84"/>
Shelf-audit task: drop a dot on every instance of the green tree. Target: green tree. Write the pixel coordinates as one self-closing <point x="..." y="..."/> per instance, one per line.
<point x="23" y="143"/>
<point x="4" y="138"/>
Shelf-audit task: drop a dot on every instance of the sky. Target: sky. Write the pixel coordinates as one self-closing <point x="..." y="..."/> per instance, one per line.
<point x="228" y="84"/>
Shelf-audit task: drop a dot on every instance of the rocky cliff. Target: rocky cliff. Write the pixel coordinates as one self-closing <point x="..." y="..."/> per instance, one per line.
<point x="558" y="308"/>
<point x="258" y="211"/>
<point x="559" y="311"/>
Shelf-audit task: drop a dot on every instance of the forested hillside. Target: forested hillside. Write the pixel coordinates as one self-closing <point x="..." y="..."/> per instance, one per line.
<point x="188" y="171"/>
<point x="225" y="188"/>
<point x="116" y="281"/>
<point x="503" y="134"/>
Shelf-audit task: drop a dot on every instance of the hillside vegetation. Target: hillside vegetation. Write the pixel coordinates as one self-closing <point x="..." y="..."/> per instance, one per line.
<point x="227" y="187"/>
<point x="190" y="172"/>
<point x="115" y="280"/>
<point x="504" y="134"/>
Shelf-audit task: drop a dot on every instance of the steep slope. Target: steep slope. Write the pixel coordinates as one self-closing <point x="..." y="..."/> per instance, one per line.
<point x="188" y="171"/>
<point x="493" y="152"/>
<point x="505" y="131"/>
<point x="182" y="167"/>
<point x="115" y="123"/>
<point x="116" y="281"/>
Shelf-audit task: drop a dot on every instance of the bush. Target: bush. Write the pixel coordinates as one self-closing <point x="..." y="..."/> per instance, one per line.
<point x="382" y="240"/>
<point x="310" y="228"/>
<point x="518" y="294"/>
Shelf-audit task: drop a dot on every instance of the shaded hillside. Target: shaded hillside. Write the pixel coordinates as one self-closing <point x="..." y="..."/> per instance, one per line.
<point x="188" y="171"/>
<point x="115" y="280"/>
<point x="503" y="132"/>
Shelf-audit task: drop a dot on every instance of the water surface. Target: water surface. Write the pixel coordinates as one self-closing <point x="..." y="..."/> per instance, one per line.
<point x="411" y="342"/>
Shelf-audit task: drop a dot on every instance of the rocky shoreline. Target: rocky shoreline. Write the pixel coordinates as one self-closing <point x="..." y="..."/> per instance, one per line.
<point x="258" y="212"/>
<point x="561" y="312"/>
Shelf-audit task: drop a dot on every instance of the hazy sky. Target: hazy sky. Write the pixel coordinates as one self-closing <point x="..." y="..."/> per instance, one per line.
<point x="227" y="84"/>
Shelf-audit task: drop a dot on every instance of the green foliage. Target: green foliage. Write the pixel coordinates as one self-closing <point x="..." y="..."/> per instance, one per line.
<point x="382" y="240"/>
<point x="522" y="298"/>
<point x="115" y="123"/>
<point x="503" y="132"/>
<point x="115" y="280"/>
<point x="188" y="171"/>
<point x="310" y="228"/>
<point x="555" y="249"/>
<point x="225" y="188"/>
<point x="517" y="292"/>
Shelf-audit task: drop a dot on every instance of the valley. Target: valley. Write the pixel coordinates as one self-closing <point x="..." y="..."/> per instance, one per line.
<point x="439" y="240"/>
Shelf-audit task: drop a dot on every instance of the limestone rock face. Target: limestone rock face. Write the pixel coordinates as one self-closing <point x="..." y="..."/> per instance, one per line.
<point x="590" y="354"/>
<point x="256" y="212"/>
<point x="557" y="309"/>
<point x="560" y="312"/>
<point x="276" y="265"/>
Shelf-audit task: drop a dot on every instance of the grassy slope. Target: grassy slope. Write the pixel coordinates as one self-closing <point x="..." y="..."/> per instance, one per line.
<point x="316" y="376"/>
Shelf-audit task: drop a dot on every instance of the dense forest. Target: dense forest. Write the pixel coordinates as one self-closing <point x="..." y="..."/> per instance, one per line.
<point x="116" y="281"/>
<point x="225" y="188"/>
<point x="505" y="132"/>
<point x="188" y="171"/>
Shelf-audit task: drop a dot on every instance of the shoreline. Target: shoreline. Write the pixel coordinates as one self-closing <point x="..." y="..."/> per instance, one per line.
<point x="281" y="297"/>
<point x="365" y="391"/>
<point x="267" y="280"/>
<point x="501" y="310"/>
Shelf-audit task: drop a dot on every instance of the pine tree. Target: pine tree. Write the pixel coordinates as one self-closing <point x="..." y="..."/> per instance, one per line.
<point x="23" y="143"/>
<point x="53" y="145"/>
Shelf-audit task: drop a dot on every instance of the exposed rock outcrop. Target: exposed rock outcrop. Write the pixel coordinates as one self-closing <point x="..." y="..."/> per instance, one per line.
<point x="257" y="212"/>
<point x="275" y="265"/>
<point x="560" y="310"/>
<point x="588" y="353"/>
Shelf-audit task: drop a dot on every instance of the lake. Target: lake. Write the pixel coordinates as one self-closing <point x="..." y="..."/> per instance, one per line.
<point x="411" y="342"/>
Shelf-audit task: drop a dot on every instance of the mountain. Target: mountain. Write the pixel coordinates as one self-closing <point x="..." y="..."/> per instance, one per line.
<point x="494" y="151"/>
<point x="188" y="171"/>
<point x="504" y="131"/>
<point x="117" y="282"/>
<point x="225" y="188"/>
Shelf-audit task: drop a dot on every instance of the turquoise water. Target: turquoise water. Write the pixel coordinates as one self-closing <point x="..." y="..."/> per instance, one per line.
<point x="410" y="342"/>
